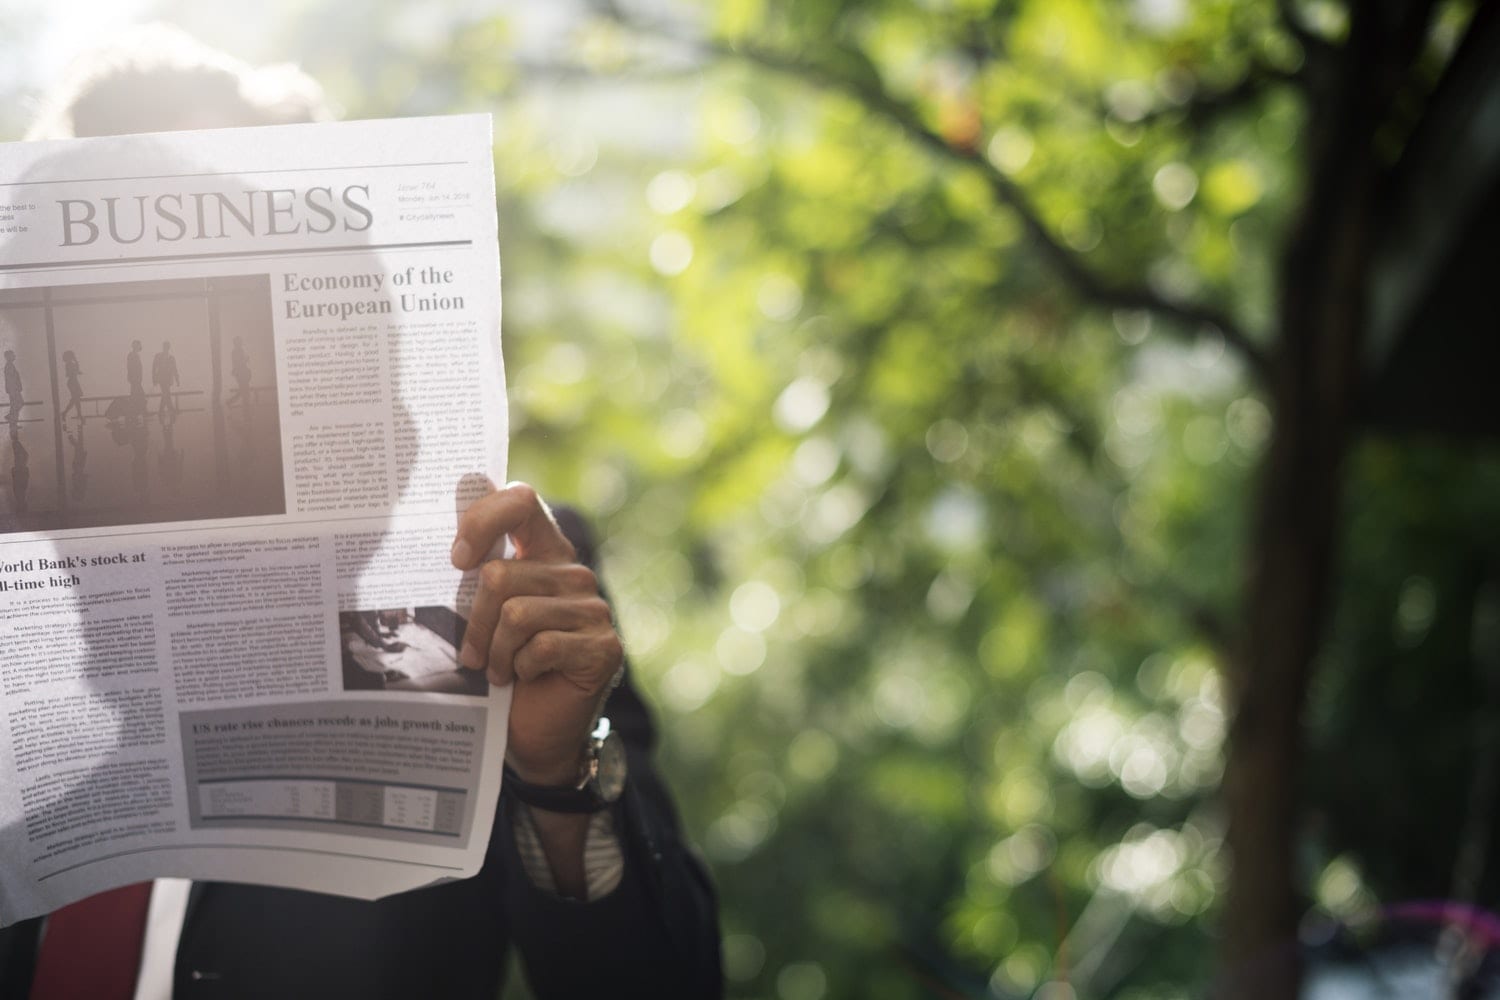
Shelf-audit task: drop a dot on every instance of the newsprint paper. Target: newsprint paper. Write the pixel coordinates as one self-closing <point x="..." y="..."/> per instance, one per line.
<point x="251" y="375"/>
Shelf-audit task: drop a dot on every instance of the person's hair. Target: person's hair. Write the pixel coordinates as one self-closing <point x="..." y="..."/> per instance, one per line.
<point x="158" y="78"/>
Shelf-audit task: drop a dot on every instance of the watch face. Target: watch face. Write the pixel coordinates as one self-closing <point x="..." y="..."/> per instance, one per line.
<point x="611" y="775"/>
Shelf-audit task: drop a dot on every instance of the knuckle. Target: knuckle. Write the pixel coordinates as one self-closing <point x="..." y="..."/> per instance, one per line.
<point x="545" y="646"/>
<point x="524" y="665"/>
<point x="513" y="614"/>
<point x="612" y="652"/>
<point x="492" y="574"/>
<point x="601" y="662"/>
<point x="580" y="579"/>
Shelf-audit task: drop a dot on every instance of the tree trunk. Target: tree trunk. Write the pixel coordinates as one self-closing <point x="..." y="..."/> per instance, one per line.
<point x="1292" y="551"/>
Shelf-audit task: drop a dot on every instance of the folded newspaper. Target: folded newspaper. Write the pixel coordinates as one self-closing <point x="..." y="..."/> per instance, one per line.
<point x="250" y="377"/>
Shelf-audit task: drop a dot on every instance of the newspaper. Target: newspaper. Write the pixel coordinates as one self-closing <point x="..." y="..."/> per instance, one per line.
<point x="251" y="375"/>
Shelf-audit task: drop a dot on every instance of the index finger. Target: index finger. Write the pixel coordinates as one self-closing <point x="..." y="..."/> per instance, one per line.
<point x="517" y="511"/>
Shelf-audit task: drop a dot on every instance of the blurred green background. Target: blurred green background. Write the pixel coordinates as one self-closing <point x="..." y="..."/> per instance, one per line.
<point x="982" y="401"/>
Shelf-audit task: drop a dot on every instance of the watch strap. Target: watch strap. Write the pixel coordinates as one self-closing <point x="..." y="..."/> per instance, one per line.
<point x="553" y="798"/>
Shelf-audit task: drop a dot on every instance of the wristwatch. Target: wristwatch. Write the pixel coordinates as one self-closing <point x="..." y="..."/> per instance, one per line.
<point x="601" y="777"/>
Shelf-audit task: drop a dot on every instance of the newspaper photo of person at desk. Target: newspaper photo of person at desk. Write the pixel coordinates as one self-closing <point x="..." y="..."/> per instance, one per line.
<point x="405" y="649"/>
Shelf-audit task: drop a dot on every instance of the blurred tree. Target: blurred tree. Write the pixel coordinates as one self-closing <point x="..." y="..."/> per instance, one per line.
<point x="1362" y="300"/>
<point x="985" y="401"/>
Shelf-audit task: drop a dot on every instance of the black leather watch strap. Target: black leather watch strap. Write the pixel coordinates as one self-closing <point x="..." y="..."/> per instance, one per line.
<point x="553" y="798"/>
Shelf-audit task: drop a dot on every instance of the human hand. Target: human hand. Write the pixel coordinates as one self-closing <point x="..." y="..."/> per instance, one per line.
<point x="539" y="621"/>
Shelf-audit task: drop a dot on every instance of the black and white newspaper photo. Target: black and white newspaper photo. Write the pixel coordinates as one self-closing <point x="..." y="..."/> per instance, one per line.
<point x="252" y="376"/>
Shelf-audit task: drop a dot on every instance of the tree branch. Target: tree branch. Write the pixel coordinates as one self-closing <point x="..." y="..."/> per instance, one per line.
<point x="1068" y="265"/>
<point x="1187" y="315"/>
<point x="1206" y="106"/>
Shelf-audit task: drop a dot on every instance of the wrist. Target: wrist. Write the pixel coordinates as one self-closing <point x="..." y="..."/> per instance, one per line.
<point x="562" y="773"/>
<point x="595" y="782"/>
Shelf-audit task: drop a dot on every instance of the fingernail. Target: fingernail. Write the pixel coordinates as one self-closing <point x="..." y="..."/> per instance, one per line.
<point x="469" y="657"/>
<point x="463" y="553"/>
<point x="495" y="678"/>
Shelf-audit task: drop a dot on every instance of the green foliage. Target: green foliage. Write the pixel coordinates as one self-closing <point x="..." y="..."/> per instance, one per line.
<point x="910" y="543"/>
